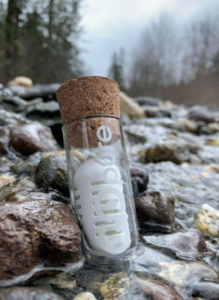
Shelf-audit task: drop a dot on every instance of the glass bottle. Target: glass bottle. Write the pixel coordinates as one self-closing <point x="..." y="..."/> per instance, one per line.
<point x="98" y="172"/>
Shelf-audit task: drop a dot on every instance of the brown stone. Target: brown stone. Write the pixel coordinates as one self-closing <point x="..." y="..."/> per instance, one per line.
<point x="153" y="289"/>
<point x="155" y="209"/>
<point x="16" y="293"/>
<point x="30" y="138"/>
<point x="36" y="231"/>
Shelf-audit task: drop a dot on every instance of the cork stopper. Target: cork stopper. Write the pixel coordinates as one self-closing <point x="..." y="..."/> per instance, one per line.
<point x="84" y="97"/>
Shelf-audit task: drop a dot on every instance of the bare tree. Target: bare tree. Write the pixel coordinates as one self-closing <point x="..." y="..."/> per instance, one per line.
<point x="155" y="61"/>
<point x="201" y="44"/>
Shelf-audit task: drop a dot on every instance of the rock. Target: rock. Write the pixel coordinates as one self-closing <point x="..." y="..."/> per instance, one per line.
<point x="213" y="127"/>
<point x="11" y="119"/>
<point x="23" y="81"/>
<point x="154" y="289"/>
<point x="47" y="113"/>
<point x="200" y="114"/>
<point x="212" y="168"/>
<point x="155" y="209"/>
<point x="115" y="286"/>
<point x="181" y="273"/>
<point x="148" y="101"/>
<point x="28" y="166"/>
<point x="129" y="107"/>
<point x="6" y="93"/>
<point x="61" y="281"/>
<point x="34" y="231"/>
<point x="17" y="190"/>
<point x="207" y="220"/>
<point x="156" y="112"/>
<point x="30" y="138"/>
<point x="85" y="296"/>
<point x="5" y="180"/>
<point x="13" y="103"/>
<point x="186" y="245"/>
<point x="52" y="172"/>
<point x="141" y="177"/>
<point x="45" y="91"/>
<point x="27" y="293"/>
<point x="167" y="151"/>
<point x="191" y="126"/>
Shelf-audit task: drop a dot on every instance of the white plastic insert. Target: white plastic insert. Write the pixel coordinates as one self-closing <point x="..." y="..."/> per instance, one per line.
<point x="100" y="206"/>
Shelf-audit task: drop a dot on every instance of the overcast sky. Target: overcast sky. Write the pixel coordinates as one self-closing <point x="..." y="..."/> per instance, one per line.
<point x="112" y="24"/>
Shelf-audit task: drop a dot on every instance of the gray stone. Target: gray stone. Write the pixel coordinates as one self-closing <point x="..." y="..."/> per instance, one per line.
<point x="148" y="101"/>
<point x="52" y="172"/>
<point x="25" y="293"/>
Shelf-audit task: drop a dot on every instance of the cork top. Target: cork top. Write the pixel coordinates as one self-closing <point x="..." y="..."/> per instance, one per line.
<point x="90" y="95"/>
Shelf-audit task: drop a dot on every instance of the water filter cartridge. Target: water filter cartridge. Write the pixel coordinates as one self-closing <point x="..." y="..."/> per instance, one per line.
<point x="101" y="207"/>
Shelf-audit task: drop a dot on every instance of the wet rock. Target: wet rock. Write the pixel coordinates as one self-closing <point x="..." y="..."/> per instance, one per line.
<point x="213" y="127"/>
<point x="212" y="168"/>
<point x="52" y="172"/>
<point x="25" y="293"/>
<point x="22" y="80"/>
<point x="181" y="273"/>
<point x="13" y="103"/>
<point x="5" y="180"/>
<point x="11" y="119"/>
<point x="198" y="113"/>
<point x="17" y="191"/>
<point x="6" y="93"/>
<point x="115" y="286"/>
<point x="190" y="125"/>
<point x="47" y="113"/>
<point x="30" y="138"/>
<point x="141" y="177"/>
<point x="129" y="107"/>
<point x="61" y="281"/>
<point x="142" y="100"/>
<point x="207" y="220"/>
<point x="155" y="112"/>
<point x="34" y="231"/>
<point x="155" y="209"/>
<point x="154" y="289"/>
<point x="167" y="152"/>
<point x="45" y="91"/>
<point x="28" y="166"/>
<point x="85" y="296"/>
<point x="186" y="245"/>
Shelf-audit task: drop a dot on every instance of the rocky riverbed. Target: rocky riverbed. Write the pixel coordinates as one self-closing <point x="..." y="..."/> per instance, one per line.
<point x="173" y="153"/>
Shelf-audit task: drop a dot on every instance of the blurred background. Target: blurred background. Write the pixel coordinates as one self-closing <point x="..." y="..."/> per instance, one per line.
<point x="165" y="48"/>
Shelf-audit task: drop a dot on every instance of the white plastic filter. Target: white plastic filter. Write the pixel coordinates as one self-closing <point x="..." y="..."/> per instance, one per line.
<point x="100" y="206"/>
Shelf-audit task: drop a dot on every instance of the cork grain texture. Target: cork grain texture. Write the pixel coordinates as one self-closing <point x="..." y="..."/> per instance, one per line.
<point x="86" y="96"/>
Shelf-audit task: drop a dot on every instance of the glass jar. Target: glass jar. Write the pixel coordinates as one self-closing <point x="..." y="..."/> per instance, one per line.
<point x="100" y="187"/>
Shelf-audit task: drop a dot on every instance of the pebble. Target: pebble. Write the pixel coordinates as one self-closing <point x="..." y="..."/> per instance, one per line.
<point x="130" y="107"/>
<point x="85" y="296"/>
<point x="27" y="293"/>
<point x="115" y="286"/>
<point x="201" y="114"/>
<point x="207" y="220"/>
<point x="30" y="138"/>
<point x="52" y="172"/>
<point x="22" y="80"/>
<point x="155" y="208"/>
